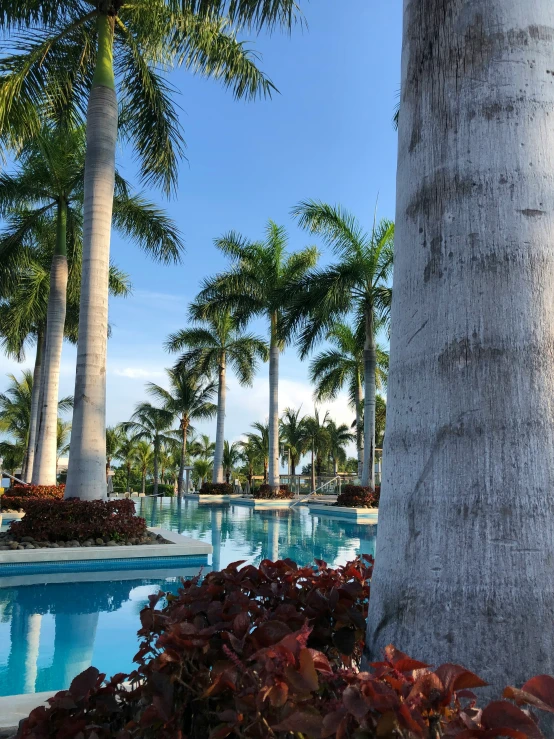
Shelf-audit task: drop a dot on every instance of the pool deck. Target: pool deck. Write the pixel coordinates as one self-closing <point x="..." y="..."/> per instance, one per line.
<point x="182" y="551"/>
<point x="13" y="708"/>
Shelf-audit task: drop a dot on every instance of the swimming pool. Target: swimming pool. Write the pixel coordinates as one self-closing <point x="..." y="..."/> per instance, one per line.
<point x="52" y="630"/>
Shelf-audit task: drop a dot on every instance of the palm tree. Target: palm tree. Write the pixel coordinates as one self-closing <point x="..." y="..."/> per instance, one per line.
<point x="250" y="455"/>
<point x="360" y="281"/>
<point x="380" y="420"/>
<point x="187" y="400"/>
<point x="152" y="425"/>
<point x="202" y="468"/>
<point x="258" y="443"/>
<point x="339" y="437"/>
<point x="143" y="456"/>
<point x="212" y="346"/>
<point x="343" y="364"/>
<point x="260" y="276"/>
<point x="127" y="453"/>
<point x="74" y="57"/>
<point x="12" y="455"/>
<point x="115" y="437"/>
<point x="318" y="441"/>
<point x="231" y="457"/>
<point x="293" y="435"/>
<point x="203" y="447"/>
<point x="62" y="440"/>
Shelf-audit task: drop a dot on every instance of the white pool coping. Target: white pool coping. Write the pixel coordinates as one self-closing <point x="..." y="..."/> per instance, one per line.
<point x="205" y="498"/>
<point x="180" y="546"/>
<point x="368" y="515"/>
<point x="261" y="503"/>
<point x="13" y="708"/>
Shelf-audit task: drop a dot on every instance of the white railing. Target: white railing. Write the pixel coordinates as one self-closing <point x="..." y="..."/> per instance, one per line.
<point x="320" y="489"/>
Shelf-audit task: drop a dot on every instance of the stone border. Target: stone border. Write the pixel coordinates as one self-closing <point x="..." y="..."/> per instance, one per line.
<point x="13" y="708"/>
<point x="360" y="515"/>
<point x="181" y="546"/>
<point x="260" y="503"/>
<point x="204" y="498"/>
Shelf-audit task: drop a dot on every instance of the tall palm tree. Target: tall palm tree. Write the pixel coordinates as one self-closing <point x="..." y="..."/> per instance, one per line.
<point x="359" y="281"/>
<point x="152" y="425"/>
<point x="293" y="436"/>
<point x="187" y="400"/>
<point x="472" y="367"/>
<point x="250" y="456"/>
<point x="261" y="275"/>
<point x="62" y="440"/>
<point x="318" y="441"/>
<point x="343" y="364"/>
<point x="115" y="437"/>
<point x="211" y="347"/>
<point x="202" y="447"/>
<point x="48" y="183"/>
<point x="143" y="458"/>
<point x="231" y="457"/>
<point x="258" y="442"/>
<point x="127" y="453"/>
<point x="339" y="438"/>
<point x="77" y="56"/>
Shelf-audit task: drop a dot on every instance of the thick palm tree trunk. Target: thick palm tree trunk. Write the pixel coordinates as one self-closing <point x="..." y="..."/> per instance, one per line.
<point x="217" y="475"/>
<point x="144" y="482"/>
<point x="465" y="541"/>
<point x="360" y="430"/>
<point x="184" y="430"/>
<point x="45" y="462"/>
<point x="274" y="408"/>
<point x="87" y="455"/>
<point x="370" y="365"/>
<point x="29" y="461"/>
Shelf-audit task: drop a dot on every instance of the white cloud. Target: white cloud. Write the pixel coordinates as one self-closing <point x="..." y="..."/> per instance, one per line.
<point x="138" y="373"/>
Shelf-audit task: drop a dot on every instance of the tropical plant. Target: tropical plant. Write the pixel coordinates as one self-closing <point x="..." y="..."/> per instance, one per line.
<point x="211" y="347"/>
<point x="318" y="441"/>
<point x="359" y="281"/>
<point x="143" y="457"/>
<point x="115" y="438"/>
<point x="202" y="447"/>
<point x="231" y="457"/>
<point x="339" y="436"/>
<point x="63" y="433"/>
<point x="202" y="469"/>
<point x="187" y="400"/>
<point x="250" y="456"/>
<point x="12" y="454"/>
<point x="343" y="364"/>
<point x="258" y="443"/>
<point x="71" y="57"/>
<point x="380" y="420"/>
<point x="152" y="425"/>
<point x="293" y="436"/>
<point x="261" y="274"/>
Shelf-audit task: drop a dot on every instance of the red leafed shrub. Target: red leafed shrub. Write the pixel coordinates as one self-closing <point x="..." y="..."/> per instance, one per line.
<point x="44" y="492"/>
<point x="216" y="488"/>
<point x="356" y="496"/>
<point x="16" y="504"/>
<point x="253" y="653"/>
<point x="79" y="520"/>
<point x="266" y="492"/>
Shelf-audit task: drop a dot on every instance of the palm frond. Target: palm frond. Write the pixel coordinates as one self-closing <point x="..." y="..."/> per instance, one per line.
<point x="251" y="13"/>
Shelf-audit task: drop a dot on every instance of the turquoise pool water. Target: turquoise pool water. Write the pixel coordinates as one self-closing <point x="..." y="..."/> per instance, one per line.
<point x="52" y="630"/>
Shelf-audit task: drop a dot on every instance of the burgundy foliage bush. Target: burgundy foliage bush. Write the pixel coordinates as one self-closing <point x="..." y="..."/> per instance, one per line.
<point x="79" y="520"/>
<point x="43" y="492"/>
<point x="273" y="652"/>
<point x="356" y="496"/>
<point x="216" y="488"/>
<point x="266" y="492"/>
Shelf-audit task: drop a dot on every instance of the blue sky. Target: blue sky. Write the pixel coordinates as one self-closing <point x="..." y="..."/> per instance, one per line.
<point x="327" y="135"/>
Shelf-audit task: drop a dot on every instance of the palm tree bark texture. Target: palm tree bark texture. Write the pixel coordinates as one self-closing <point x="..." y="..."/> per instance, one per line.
<point x="465" y="542"/>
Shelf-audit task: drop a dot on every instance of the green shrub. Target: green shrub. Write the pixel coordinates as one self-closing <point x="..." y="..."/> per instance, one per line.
<point x="163" y="489"/>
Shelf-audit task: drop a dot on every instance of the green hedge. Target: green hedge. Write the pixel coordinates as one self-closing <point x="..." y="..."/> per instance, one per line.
<point x="163" y="489"/>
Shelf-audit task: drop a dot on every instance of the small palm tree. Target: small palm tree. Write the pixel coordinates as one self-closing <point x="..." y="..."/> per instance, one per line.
<point x="211" y="347"/>
<point x="250" y="456"/>
<point x="187" y="400"/>
<point x="339" y="438"/>
<point x="143" y="458"/>
<point x="202" y="469"/>
<point x="293" y="435"/>
<point x="360" y="280"/>
<point x="62" y="440"/>
<point x="127" y="453"/>
<point x="115" y="437"/>
<point x="152" y="425"/>
<point x="231" y="457"/>
<point x="317" y="437"/>
<point x="73" y="57"/>
<point x="261" y="275"/>
<point x="258" y="442"/>
<point x="202" y="447"/>
<point x="343" y="364"/>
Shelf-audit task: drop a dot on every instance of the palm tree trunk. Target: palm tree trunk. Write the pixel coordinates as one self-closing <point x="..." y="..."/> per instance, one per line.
<point x="184" y="430"/>
<point x="87" y="455"/>
<point x="35" y="400"/>
<point x="44" y="466"/>
<point x="360" y="430"/>
<point x="129" y="478"/>
<point x="156" y="461"/>
<point x="144" y="481"/>
<point x="467" y="548"/>
<point x="217" y="475"/>
<point x="370" y="364"/>
<point x="274" y="406"/>
<point x="313" y="467"/>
